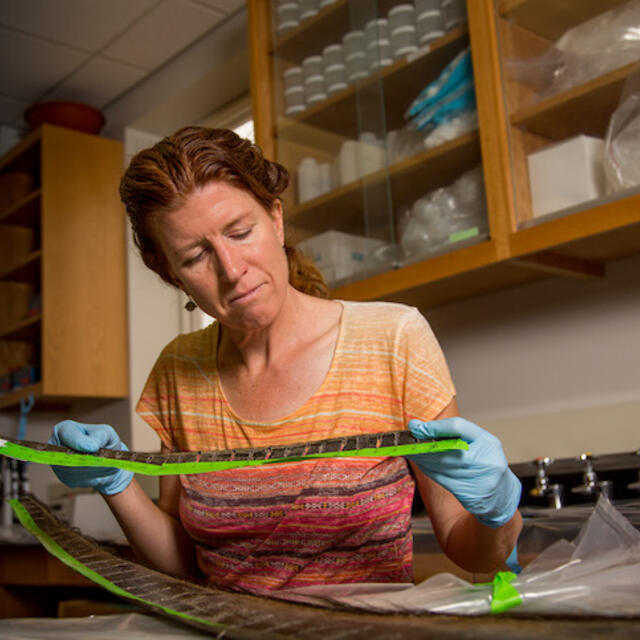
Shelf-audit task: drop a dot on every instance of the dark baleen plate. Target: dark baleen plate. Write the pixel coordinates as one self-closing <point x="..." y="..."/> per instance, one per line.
<point x="238" y="615"/>
<point x="332" y="445"/>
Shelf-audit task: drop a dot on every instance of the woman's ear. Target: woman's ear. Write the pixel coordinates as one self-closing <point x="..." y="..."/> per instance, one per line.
<point x="277" y="215"/>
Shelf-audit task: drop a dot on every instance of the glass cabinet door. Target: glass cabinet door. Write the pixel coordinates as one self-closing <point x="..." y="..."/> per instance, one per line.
<point x="569" y="72"/>
<point x="376" y="123"/>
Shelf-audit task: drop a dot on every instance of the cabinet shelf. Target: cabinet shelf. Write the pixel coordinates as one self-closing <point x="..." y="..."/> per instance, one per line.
<point x="550" y="19"/>
<point x="12" y="398"/>
<point x="28" y="329"/>
<point x="25" y="213"/>
<point x="341" y="208"/>
<point x="584" y="109"/>
<point x="398" y="87"/>
<point x="27" y="270"/>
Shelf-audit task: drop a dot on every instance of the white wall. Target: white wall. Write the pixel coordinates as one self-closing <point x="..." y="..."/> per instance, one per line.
<point x="552" y="368"/>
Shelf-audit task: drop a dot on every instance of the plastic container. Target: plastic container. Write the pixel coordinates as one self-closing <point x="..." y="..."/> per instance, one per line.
<point x="312" y="66"/>
<point x="402" y="15"/>
<point x="566" y="174"/>
<point x="314" y="90"/>
<point x="332" y="55"/>
<point x="348" y="162"/>
<point x="287" y="16"/>
<point x="293" y="77"/>
<point x="375" y="30"/>
<point x="294" y="100"/>
<point x="339" y="255"/>
<point x="404" y="40"/>
<point x="427" y="5"/>
<point x="308" y="179"/>
<point x="357" y="66"/>
<point x="455" y="13"/>
<point x="335" y="78"/>
<point x="430" y="26"/>
<point x="353" y="42"/>
<point x="308" y="8"/>
<point x="379" y="54"/>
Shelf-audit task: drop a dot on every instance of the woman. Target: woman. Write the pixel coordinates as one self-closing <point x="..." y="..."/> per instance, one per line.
<point x="282" y="365"/>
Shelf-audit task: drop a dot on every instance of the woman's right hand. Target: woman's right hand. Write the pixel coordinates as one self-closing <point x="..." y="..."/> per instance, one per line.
<point x="88" y="438"/>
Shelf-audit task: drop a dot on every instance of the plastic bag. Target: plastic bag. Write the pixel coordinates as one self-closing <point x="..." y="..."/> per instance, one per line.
<point x="596" y="574"/>
<point x="449" y="96"/>
<point x="592" y="48"/>
<point x="622" y="145"/>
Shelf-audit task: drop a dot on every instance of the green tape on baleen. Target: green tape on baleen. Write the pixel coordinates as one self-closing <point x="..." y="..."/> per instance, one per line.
<point x="65" y="459"/>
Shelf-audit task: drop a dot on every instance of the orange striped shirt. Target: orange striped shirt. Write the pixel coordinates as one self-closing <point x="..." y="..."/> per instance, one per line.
<point x="317" y="521"/>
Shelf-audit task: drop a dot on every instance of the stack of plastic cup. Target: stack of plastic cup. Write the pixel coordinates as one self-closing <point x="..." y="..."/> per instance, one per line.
<point x="455" y="13"/>
<point x="376" y="33"/>
<point x="309" y="179"/>
<point x="402" y="27"/>
<point x="294" y="98"/>
<point x="429" y="21"/>
<point x="355" y="56"/>
<point x="371" y="154"/>
<point x="335" y="78"/>
<point x="312" y="68"/>
<point x="308" y="8"/>
<point x="348" y="162"/>
<point x="287" y="15"/>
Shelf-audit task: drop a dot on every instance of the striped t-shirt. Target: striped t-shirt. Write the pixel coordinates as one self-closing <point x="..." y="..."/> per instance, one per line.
<point x="316" y="521"/>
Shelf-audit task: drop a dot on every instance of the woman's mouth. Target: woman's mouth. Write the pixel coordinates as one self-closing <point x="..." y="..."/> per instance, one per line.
<point x="246" y="296"/>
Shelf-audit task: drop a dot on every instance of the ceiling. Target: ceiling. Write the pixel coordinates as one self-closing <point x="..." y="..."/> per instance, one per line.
<point x="94" y="51"/>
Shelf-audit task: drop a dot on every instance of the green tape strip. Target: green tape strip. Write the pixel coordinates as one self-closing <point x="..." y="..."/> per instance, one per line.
<point x="504" y="595"/>
<point x="56" y="550"/>
<point x="63" y="459"/>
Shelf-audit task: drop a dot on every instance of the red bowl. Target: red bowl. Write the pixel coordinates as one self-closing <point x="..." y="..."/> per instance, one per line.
<point x="71" y="115"/>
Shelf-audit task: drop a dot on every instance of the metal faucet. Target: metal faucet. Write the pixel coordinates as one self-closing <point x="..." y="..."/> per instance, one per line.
<point x="544" y="487"/>
<point x="591" y="486"/>
<point x="635" y="485"/>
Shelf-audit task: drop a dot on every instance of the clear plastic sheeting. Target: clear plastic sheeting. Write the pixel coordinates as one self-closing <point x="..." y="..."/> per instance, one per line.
<point x="130" y="626"/>
<point x="622" y="146"/>
<point x="606" y="42"/>
<point x="598" y="574"/>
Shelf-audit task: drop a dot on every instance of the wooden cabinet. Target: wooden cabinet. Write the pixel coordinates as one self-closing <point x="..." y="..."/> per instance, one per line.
<point x="513" y="123"/>
<point x="72" y="330"/>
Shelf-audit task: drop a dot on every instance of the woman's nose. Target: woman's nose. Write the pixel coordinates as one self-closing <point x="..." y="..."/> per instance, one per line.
<point x="230" y="264"/>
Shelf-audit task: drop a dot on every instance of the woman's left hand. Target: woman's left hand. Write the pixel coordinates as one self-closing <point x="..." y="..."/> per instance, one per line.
<point x="479" y="478"/>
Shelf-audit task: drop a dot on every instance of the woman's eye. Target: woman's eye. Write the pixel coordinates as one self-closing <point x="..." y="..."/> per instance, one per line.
<point x="189" y="261"/>
<point x="241" y="235"/>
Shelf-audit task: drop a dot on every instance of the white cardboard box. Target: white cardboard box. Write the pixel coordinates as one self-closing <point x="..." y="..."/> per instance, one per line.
<point x="566" y="174"/>
<point x="338" y="254"/>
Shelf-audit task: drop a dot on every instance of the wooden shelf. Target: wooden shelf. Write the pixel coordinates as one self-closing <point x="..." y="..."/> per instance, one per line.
<point x="584" y="109"/>
<point x="327" y="27"/>
<point x="395" y="85"/>
<point x="28" y="329"/>
<point x="13" y="397"/>
<point x="25" y="156"/>
<point x="25" y="213"/>
<point x="605" y="232"/>
<point x="551" y="18"/>
<point x="27" y="270"/>
<point x="342" y="208"/>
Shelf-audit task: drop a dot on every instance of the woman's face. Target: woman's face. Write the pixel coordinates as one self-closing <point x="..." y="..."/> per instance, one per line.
<point x="226" y="252"/>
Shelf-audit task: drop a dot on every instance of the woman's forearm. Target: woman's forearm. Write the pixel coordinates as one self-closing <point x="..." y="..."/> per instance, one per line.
<point x="478" y="548"/>
<point x="157" y="538"/>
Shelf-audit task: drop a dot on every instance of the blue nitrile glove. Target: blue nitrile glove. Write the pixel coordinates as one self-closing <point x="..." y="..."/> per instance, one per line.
<point x="479" y="478"/>
<point x="88" y="438"/>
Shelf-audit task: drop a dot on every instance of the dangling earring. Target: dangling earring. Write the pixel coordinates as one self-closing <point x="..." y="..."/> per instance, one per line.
<point x="191" y="305"/>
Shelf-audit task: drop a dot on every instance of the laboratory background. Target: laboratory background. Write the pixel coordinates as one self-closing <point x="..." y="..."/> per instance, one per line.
<point x="478" y="160"/>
